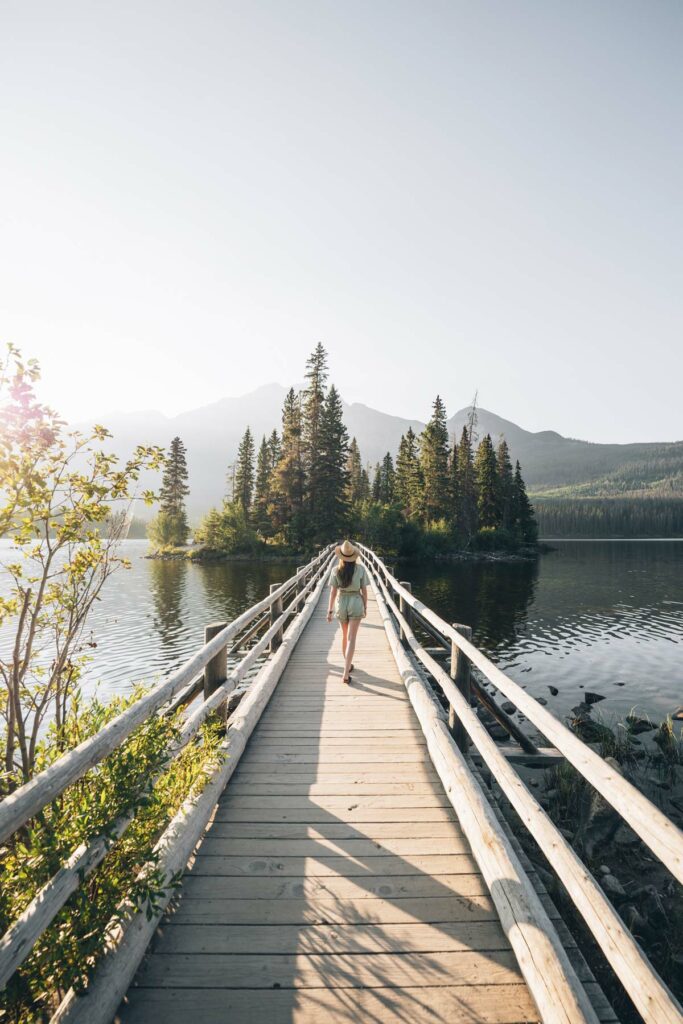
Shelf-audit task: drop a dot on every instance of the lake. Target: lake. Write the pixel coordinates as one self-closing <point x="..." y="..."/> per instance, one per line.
<point x="605" y="616"/>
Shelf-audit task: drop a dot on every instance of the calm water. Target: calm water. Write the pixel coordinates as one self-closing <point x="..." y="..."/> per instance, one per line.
<point x="602" y="616"/>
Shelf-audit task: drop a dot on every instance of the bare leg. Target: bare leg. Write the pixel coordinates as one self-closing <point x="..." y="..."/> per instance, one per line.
<point x="344" y="633"/>
<point x="351" y="645"/>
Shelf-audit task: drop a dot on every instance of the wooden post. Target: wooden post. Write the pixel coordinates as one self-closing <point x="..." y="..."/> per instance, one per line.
<point x="216" y="670"/>
<point x="302" y="582"/>
<point x="275" y="613"/>
<point x="404" y="608"/>
<point x="460" y="674"/>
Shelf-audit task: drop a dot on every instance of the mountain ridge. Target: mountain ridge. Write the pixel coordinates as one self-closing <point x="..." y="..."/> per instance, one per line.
<point x="552" y="465"/>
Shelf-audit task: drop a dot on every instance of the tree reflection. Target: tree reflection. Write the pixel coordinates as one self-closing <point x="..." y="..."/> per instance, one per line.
<point x="168" y="583"/>
<point x="493" y="598"/>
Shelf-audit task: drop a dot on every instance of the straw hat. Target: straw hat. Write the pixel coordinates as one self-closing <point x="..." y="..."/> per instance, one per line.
<point x="347" y="551"/>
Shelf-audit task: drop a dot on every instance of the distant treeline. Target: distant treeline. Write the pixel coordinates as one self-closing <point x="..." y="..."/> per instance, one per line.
<point x="609" y="517"/>
<point x="307" y="485"/>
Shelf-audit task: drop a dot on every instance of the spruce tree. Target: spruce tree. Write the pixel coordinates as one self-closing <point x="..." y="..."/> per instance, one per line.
<point x="244" y="473"/>
<point x="488" y="503"/>
<point x="434" y="465"/>
<point x="408" y="483"/>
<point x="506" y="485"/>
<point x="289" y="476"/>
<point x="331" y="488"/>
<point x="262" y="488"/>
<point x="467" y="489"/>
<point x="525" y="524"/>
<point x="170" y="525"/>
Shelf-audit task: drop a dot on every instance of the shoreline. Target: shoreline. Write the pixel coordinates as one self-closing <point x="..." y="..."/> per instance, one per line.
<point x="199" y="557"/>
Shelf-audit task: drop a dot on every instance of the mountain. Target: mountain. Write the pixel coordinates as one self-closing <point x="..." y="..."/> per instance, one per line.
<point x="552" y="465"/>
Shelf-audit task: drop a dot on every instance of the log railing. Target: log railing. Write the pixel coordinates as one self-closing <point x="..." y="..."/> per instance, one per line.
<point x="402" y="611"/>
<point x="293" y="600"/>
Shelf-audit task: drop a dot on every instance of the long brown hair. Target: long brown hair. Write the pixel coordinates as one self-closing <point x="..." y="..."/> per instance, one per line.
<point x="345" y="572"/>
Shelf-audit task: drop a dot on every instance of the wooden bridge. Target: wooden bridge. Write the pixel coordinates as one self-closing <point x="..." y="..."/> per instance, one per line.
<point x="346" y="862"/>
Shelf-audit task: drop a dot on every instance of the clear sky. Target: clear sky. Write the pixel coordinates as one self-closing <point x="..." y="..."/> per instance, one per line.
<point x="450" y="195"/>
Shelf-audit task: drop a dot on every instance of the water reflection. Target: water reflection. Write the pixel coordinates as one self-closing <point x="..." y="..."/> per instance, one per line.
<point x="168" y="584"/>
<point x="493" y="598"/>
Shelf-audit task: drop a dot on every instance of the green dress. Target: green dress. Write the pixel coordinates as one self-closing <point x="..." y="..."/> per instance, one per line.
<point x="349" y="603"/>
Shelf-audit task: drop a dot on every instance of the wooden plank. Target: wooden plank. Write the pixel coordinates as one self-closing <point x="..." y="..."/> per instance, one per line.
<point x="330" y="970"/>
<point x="335" y="803"/>
<point x="284" y="939"/>
<point x="487" y="1004"/>
<point x="218" y="846"/>
<point x="319" y="814"/>
<point x="307" y="867"/>
<point x="332" y="830"/>
<point x="344" y="912"/>
<point x="314" y="789"/>
<point x="287" y="774"/>
<point x="334" y="887"/>
<point x="362" y="756"/>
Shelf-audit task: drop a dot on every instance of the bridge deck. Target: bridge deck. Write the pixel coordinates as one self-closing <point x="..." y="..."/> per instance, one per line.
<point x="334" y="883"/>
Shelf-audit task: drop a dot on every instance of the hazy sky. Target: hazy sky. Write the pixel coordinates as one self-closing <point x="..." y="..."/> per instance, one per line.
<point x="450" y="196"/>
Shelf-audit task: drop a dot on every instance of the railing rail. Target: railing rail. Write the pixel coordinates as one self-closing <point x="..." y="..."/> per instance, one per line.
<point x="18" y="941"/>
<point x="654" y="1001"/>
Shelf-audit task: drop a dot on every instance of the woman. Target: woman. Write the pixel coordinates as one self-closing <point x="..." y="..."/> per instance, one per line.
<point x="348" y="599"/>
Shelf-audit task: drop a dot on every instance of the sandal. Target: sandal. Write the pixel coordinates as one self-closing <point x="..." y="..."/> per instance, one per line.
<point x="346" y="679"/>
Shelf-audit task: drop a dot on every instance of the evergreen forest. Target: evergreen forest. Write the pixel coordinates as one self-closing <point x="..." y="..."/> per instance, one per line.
<point x="307" y="484"/>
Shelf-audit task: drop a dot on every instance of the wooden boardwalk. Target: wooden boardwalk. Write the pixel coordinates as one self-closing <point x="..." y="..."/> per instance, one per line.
<point x="334" y="883"/>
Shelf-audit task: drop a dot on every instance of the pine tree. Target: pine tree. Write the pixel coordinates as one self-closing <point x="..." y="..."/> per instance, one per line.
<point x="312" y="415"/>
<point x="408" y="483"/>
<point x="387" y="480"/>
<point x="174" y="487"/>
<point x="365" y="483"/>
<point x="506" y="485"/>
<point x="488" y="504"/>
<point x="244" y="473"/>
<point x="354" y="469"/>
<point x="275" y="449"/>
<point x="434" y="465"/>
<point x="170" y="526"/>
<point x="331" y="488"/>
<point x="262" y="488"/>
<point x="454" y="488"/>
<point x="377" y="483"/>
<point x="525" y="524"/>
<point x="289" y="476"/>
<point x="466" y="521"/>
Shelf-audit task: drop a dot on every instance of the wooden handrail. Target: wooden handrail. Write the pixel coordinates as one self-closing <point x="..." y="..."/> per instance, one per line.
<point x="26" y="801"/>
<point x="656" y="830"/>
<point x="552" y="981"/>
<point x="18" y="940"/>
<point x="653" y="999"/>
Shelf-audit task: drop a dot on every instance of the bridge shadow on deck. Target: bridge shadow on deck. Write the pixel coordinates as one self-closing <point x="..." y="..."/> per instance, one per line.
<point x="334" y="883"/>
